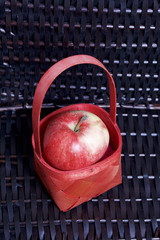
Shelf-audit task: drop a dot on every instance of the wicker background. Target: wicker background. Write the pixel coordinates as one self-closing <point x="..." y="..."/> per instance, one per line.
<point x="125" y="36"/>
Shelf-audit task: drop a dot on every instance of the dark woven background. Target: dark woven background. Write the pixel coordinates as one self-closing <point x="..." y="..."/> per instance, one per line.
<point x="131" y="210"/>
<point x="125" y="36"/>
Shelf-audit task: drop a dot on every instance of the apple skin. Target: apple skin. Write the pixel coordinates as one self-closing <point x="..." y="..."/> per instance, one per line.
<point x="72" y="142"/>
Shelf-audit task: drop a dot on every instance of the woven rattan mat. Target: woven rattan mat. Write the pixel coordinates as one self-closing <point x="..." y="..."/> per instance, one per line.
<point x="128" y="211"/>
<point x="124" y="35"/>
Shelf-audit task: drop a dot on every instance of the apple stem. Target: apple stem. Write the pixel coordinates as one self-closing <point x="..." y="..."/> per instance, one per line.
<point x="78" y="124"/>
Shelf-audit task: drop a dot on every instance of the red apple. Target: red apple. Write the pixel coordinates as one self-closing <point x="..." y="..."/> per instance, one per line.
<point x="75" y="139"/>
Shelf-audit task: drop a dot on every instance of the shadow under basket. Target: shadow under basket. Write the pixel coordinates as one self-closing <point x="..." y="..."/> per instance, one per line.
<point x="71" y="188"/>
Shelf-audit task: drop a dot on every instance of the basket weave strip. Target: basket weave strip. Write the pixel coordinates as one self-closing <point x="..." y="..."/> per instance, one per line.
<point x="130" y="210"/>
<point x="124" y="36"/>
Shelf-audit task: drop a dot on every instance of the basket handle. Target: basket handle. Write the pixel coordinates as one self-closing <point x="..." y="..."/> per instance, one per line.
<point x="50" y="76"/>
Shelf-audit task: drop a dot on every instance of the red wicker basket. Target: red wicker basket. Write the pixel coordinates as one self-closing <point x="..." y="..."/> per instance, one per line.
<point x="71" y="188"/>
